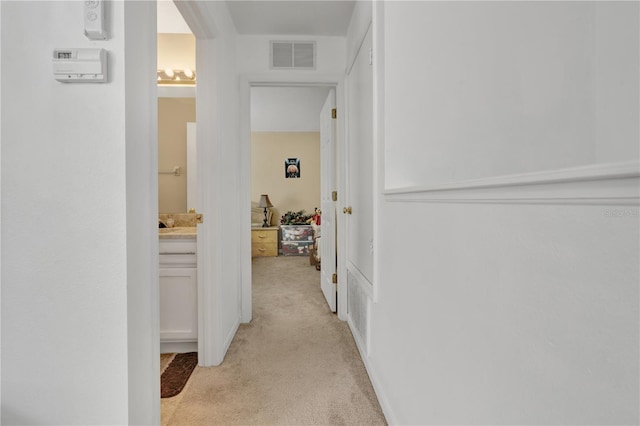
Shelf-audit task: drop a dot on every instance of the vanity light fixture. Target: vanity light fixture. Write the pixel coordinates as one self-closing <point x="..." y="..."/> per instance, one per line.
<point x="170" y="76"/>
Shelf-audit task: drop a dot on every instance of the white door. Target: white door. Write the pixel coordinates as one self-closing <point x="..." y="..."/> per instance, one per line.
<point x="327" y="205"/>
<point x="358" y="210"/>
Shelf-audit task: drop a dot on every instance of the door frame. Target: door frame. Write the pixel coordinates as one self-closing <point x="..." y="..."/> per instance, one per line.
<point x="288" y="79"/>
<point x="203" y="27"/>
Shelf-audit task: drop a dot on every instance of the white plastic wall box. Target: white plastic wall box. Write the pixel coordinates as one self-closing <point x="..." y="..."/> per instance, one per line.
<point x="94" y="20"/>
<point x="80" y="65"/>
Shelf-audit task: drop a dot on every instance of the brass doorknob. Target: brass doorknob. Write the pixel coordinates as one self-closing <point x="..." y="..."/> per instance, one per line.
<point x="346" y="210"/>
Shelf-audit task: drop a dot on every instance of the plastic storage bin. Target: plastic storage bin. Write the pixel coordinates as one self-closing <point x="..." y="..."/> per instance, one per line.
<point x="297" y="233"/>
<point x="296" y="248"/>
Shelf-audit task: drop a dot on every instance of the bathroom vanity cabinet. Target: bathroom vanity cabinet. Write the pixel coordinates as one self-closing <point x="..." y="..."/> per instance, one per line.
<point x="178" y="293"/>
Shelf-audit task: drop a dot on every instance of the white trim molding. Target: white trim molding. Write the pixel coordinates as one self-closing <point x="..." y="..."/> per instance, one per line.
<point x="284" y="79"/>
<point x="611" y="183"/>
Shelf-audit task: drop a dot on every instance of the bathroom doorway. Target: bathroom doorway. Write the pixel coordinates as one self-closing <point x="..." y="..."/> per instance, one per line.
<point x="176" y="79"/>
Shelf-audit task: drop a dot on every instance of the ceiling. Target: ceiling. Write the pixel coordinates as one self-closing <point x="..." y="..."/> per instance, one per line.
<point x="169" y="19"/>
<point x="301" y="17"/>
<point x="291" y="17"/>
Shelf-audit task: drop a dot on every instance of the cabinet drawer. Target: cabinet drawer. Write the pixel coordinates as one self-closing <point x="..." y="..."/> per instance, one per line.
<point x="264" y="236"/>
<point x="180" y="260"/>
<point x="264" y="249"/>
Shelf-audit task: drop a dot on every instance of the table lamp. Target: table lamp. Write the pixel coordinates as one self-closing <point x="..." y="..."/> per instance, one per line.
<point x="264" y="203"/>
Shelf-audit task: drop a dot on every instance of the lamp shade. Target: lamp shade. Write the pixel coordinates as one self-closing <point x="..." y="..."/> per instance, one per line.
<point x="264" y="201"/>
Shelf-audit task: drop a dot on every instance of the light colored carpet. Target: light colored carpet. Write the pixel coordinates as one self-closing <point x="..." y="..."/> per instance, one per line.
<point x="294" y="364"/>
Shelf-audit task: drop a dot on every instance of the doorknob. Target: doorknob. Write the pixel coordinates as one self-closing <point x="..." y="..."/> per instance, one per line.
<point x="346" y="210"/>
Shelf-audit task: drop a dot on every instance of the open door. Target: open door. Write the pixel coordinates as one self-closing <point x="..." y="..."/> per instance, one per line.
<point x="327" y="203"/>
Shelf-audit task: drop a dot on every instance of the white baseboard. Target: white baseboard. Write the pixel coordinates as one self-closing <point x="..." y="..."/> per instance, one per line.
<point x="229" y="338"/>
<point x="377" y="386"/>
<point x="178" y="347"/>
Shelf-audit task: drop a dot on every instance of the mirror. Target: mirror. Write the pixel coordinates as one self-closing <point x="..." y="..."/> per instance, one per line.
<point x="173" y="115"/>
<point x="176" y="108"/>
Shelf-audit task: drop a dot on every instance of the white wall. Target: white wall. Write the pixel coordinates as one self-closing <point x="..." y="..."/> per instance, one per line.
<point x="78" y="263"/>
<point x="504" y="312"/>
<point x="268" y="153"/>
<point x="141" y="157"/>
<point x="511" y="314"/>
<point x="177" y="52"/>
<point x="361" y="19"/>
<point x="169" y="20"/>
<point x="287" y="109"/>
<point x="509" y="88"/>
<point x="253" y="55"/>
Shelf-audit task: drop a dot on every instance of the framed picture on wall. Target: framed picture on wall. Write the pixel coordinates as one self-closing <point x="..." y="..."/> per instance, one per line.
<point x="292" y="168"/>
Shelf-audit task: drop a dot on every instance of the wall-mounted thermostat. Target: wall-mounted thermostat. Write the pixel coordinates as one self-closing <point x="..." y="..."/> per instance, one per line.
<point x="94" y="20"/>
<point x="80" y="65"/>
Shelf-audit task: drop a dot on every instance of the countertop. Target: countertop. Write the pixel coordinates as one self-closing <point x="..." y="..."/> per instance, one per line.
<point x="177" y="232"/>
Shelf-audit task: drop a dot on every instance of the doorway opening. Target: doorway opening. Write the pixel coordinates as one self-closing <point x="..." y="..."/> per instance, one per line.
<point x="176" y="105"/>
<point x="291" y="125"/>
<point x="285" y="159"/>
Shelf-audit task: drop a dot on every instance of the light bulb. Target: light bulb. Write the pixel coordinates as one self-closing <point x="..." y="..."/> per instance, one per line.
<point x="188" y="73"/>
<point x="169" y="72"/>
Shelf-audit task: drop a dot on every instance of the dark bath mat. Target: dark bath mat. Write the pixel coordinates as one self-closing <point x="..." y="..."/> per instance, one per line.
<point x="175" y="376"/>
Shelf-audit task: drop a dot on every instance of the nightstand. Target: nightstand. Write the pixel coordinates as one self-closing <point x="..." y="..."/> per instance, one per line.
<point x="264" y="241"/>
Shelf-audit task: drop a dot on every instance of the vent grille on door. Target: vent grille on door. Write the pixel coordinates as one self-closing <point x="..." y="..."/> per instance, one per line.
<point x="293" y="55"/>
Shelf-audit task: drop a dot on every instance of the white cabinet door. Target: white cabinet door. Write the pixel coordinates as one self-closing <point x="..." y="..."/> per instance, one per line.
<point x="178" y="305"/>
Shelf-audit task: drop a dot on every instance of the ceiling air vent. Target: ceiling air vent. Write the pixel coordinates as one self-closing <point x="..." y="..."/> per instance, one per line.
<point x="293" y="55"/>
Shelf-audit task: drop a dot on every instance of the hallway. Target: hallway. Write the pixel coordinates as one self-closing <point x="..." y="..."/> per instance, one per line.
<point x="295" y="363"/>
